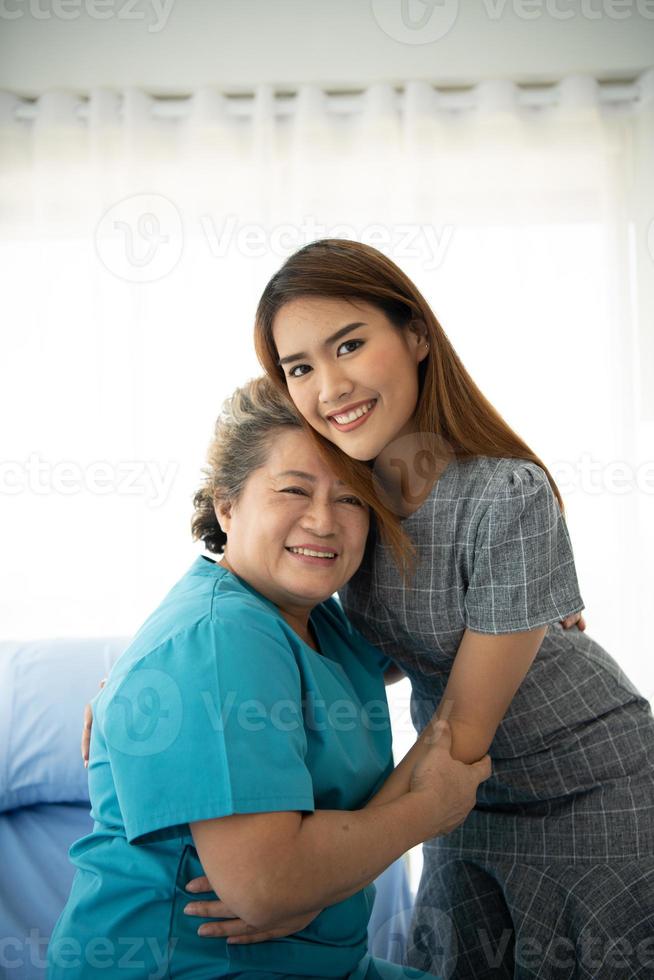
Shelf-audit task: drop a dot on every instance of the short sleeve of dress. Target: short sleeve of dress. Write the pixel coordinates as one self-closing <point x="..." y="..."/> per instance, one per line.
<point x="208" y="724"/>
<point x="523" y="572"/>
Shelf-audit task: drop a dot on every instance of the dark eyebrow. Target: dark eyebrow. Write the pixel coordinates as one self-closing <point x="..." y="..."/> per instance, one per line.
<point x="305" y="476"/>
<point x="330" y="340"/>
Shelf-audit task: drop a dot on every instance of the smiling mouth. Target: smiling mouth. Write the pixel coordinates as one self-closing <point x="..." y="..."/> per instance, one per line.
<point x="350" y="420"/>
<point x="310" y="557"/>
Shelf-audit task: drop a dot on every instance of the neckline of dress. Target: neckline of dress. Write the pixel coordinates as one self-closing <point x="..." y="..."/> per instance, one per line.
<point x="432" y="493"/>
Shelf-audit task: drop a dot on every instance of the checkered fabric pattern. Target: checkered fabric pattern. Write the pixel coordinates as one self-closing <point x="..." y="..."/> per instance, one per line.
<point x="573" y="758"/>
<point x="475" y="919"/>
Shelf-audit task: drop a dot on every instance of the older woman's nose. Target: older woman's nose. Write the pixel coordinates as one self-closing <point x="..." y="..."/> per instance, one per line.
<point x="319" y="516"/>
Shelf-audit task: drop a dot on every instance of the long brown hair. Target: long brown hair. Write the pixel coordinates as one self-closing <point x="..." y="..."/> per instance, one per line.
<point x="449" y="402"/>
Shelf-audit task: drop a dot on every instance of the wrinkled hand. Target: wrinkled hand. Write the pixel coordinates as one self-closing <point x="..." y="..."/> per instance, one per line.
<point x="572" y="619"/>
<point x="86" y="729"/>
<point x="236" y="929"/>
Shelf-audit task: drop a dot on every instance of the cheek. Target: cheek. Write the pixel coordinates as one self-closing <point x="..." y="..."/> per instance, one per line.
<point x="303" y="400"/>
<point x="385" y="367"/>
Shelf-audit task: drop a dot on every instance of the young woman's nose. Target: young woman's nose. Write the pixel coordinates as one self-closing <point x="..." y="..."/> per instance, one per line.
<point x="334" y="387"/>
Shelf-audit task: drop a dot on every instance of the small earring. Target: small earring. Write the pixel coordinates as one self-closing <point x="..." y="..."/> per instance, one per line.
<point x="427" y="344"/>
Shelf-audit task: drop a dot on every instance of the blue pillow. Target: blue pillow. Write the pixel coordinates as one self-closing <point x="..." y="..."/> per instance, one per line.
<point x="44" y="685"/>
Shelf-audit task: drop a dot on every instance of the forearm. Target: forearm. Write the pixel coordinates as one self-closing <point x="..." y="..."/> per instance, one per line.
<point x="399" y="781"/>
<point x="469" y="742"/>
<point x="335" y="854"/>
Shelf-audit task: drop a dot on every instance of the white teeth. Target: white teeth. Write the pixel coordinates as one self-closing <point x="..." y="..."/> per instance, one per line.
<point x="355" y="414"/>
<point x="314" y="554"/>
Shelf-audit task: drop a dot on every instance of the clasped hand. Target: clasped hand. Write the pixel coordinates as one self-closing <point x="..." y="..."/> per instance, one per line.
<point x="236" y="929"/>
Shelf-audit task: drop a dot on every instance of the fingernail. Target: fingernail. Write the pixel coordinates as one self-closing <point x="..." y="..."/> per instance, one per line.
<point x="233" y="939"/>
<point x="189" y="909"/>
<point x="86" y="765"/>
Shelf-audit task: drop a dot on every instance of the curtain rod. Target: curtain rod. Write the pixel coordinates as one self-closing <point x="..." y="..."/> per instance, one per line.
<point x="346" y="101"/>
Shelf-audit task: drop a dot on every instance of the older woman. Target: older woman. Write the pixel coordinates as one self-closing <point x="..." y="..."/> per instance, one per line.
<point x="244" y="734"/>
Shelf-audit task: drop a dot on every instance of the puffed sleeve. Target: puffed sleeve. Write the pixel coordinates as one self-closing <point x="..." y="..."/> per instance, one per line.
<point x="523" y="572"/>
<point x="209" y="723"/>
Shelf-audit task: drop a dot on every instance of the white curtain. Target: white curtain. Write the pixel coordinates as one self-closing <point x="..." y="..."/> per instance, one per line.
<point x="135" y="242"/>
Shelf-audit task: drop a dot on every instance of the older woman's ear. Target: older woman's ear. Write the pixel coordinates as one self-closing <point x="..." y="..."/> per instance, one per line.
<point x="223" y="511"/>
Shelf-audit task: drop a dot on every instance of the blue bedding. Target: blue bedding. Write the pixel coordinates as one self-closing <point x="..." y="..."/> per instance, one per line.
<point x="35" y="880"/>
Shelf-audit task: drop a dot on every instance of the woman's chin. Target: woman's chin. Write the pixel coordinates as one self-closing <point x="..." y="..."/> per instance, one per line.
<point x="313" y="594"/>
<point x="364" y="450"/>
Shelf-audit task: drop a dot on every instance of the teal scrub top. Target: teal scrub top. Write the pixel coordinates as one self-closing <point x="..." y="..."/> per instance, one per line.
<point x="218" y="707"/>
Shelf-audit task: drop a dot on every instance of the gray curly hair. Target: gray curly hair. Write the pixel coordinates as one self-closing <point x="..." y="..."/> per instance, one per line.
<point x="240" y="445"/>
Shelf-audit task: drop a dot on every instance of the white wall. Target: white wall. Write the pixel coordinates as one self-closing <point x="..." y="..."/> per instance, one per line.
<point x="172" y="46"/>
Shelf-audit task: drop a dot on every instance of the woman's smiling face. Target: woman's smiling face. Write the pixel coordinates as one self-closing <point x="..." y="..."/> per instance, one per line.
<point x="343" y="356"/>
<point x="294" y="501"/>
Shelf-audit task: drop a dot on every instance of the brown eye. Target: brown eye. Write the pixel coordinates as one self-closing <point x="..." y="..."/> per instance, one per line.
<point x="290" y="373"/>
<point x="359" y="343"/>
<point x="352" y="500"/>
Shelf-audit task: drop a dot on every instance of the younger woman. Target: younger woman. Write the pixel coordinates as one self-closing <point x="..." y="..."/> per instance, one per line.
<point x="467" y="582"/>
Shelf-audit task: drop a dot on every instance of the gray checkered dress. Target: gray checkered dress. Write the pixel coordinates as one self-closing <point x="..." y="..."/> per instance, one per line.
<point x="552" y="873"/>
